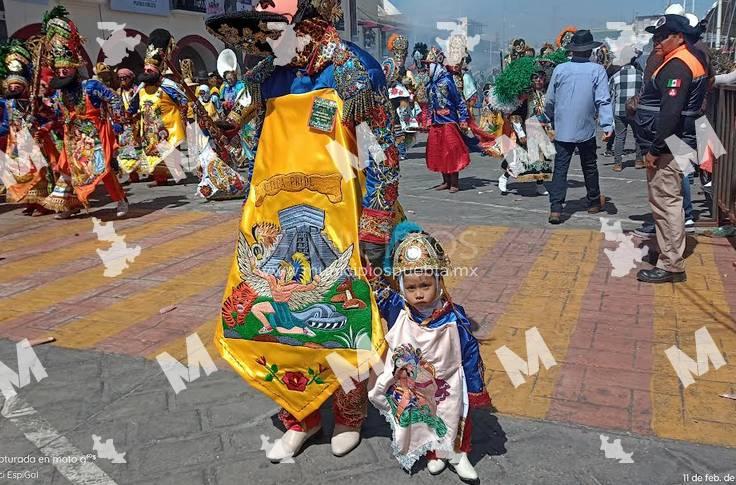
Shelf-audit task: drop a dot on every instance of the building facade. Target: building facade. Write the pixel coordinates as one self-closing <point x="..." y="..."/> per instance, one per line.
<point x="21" y="19"/>
<point x="183" y="18"/>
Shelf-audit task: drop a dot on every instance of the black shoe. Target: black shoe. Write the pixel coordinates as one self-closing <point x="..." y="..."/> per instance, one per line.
<point x="646" y="231"/>
<point x="658" y="275"/>
<point x="554" y="218"/>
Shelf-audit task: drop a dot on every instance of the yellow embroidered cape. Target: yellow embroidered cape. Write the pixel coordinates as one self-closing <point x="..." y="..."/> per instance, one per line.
<point x="297" y="296"/>
<point x="161" y="121"/>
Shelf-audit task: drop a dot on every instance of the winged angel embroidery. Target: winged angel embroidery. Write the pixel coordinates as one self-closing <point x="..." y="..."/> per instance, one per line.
<point x="292" y="299"/>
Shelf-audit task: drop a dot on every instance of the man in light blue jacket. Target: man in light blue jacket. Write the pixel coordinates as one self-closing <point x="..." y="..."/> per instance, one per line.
<point x="576" y="96"/>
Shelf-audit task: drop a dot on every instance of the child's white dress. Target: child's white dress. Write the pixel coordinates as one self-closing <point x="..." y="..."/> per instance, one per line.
<point x="421" y="391"/>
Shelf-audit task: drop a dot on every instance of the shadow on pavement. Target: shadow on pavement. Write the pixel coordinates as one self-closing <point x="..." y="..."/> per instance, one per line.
<point x="489" y="438"/>
<point x="469" y="183"/>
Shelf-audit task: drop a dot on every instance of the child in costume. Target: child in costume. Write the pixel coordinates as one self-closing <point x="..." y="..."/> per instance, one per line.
<point x="407" y="112"/>
<point x="433" y="371"/>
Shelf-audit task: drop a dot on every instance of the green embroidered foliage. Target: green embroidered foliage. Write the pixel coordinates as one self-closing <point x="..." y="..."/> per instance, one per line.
<point x="4" y="50"/>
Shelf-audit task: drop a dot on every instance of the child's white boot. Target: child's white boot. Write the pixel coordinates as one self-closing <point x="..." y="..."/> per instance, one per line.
<point x="344" y="439"/>
<point x="436" y="466"/>
<point x="463" y="467"/>
<point x="289" y="444"/>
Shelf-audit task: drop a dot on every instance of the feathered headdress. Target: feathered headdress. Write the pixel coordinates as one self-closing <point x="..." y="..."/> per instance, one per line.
<point x="15" y="63"/>
<point x="435" y="56"/>
<point x="298" y="269"/>
<point x="62" y="36"/>
<point x="160" y="45"/>
<point x="565" y="36"/>
<point x="420" y="52"/>
<point x="398" y="46"/>
<point x="515" y="79"/>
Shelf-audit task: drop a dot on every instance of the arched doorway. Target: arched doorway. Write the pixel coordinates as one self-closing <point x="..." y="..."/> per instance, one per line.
<point x="34" y="30"/>
<point x="134" y="59"/>
<point x="202" y="53"/>
<point x="199" y="67"/>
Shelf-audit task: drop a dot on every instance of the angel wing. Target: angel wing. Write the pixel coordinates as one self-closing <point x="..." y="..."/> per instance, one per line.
<point x="268" y="236"/>
<point x="331" y="275"/>
<point x="245" y="256"/>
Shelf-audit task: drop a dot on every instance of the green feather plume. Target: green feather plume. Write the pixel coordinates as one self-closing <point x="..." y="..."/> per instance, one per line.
<point x="399" y="234"/>
<point x="515" y="80"/>
<point x="57" y="12"/>
<point x="558" y="57"/>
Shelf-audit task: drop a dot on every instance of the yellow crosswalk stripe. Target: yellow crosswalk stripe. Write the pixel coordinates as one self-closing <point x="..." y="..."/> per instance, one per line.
<point x="70" y="285"/>
<point x="66" y="254"/>
<point x="550" y="299"/>
<point x="177" y="348"/>
<point x="50" y="232"/>
<point x="695" y="413"/>
<point x="464" y="249"/>
<point x="88" y="331"/>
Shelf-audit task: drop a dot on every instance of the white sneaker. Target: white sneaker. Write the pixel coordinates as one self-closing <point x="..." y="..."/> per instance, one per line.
<point x="463" y="467"/>
<point x="344" y="439"/>
<point x="542" y="190"/>
<point x="289" y="444"/>
<point x="689" y="225"/>
<point x="122" y="208"/>
<point x="435" y="467"/>
<point x="502" y="181"/>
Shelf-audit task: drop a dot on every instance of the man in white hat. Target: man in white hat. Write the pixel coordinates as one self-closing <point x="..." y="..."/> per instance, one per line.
<point x="227" y="66"/>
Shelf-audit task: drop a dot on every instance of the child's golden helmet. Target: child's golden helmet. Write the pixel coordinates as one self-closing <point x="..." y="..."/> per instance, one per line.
<point x="411" y="249"/>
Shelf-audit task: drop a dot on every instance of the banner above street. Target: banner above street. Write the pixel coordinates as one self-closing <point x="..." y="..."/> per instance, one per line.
<point x="151" y="7"/>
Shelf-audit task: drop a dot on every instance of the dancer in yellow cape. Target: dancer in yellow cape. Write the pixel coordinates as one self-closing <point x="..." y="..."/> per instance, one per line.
<point x="297" y="299"/>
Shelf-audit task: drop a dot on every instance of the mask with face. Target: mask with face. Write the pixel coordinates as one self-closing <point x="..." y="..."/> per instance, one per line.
<point x="149" y="78"/>
<point x="14" y="91"/>
<point x="67" y="82"/>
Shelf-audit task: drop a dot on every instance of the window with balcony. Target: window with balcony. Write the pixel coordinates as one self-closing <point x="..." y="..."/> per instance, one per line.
<point x="190" y="5"/>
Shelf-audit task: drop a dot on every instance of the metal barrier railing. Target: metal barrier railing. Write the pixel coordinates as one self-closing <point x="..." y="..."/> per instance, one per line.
<point x="724" y="169"/>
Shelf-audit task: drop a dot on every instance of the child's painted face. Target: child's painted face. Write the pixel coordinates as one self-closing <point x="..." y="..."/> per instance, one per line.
<point x="420" y="290"/>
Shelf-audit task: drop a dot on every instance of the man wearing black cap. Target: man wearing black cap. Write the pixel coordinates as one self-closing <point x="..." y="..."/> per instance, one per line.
<point x="577" y="94"/>
<point x="670" y="103"/>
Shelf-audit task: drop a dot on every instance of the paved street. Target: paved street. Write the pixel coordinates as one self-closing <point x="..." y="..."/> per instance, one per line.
<point x="608" y="336"/>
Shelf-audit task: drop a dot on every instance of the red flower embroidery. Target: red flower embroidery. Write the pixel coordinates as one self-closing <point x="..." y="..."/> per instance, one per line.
<point x="378" y="116"/>
<point x="392" y="156"/>
<point x="295" y="381"/>
<point x="261" y="360"/>
<point x="391" y="193"/>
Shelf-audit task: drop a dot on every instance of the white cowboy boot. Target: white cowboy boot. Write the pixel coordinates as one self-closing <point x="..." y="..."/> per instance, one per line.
<point x="344" y="439"/>
<point x="463" y="467"/>
<point x="502" y="181"/>
<point x="290" y="444"/>
<point x="436" y="466"/>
